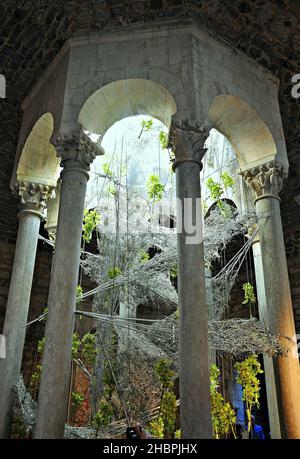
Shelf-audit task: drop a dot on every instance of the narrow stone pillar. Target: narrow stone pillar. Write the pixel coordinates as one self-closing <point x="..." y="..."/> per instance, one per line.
<point x="187" y="143"/>
<point x="266" y="182"/>
<point x="268" y="361"/>
<point x="77" y="152"/>
<point x="52" y="213"/>
<point x="33" y="198"/>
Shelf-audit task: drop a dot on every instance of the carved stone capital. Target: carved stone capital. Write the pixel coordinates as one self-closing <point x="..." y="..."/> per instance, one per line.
<point x="33" y="196"/>
<point x="266" y="180"/>
<point x="76" y="149"/>
<point x="186" y="139"/>
<point x="52" y="233"/>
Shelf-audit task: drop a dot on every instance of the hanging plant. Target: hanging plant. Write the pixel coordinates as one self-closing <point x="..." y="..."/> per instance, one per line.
<point x="91" y="220"/>
<point x="247" y="372"/>
<point x="249" y="296"/>
<point x="223" y="415"/>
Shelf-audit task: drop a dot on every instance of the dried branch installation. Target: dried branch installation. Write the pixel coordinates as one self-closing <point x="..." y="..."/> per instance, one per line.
<point x="134" y="267"/>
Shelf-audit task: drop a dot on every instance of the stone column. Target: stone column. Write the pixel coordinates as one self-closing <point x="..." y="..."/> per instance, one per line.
<point x="33" y="198"/>
<point x="268" y="361"/>
<point x="266" y="183"/>
<point x="77" y="152"/>
<point x="187" y="142"/>
<point x="212" y="355"/>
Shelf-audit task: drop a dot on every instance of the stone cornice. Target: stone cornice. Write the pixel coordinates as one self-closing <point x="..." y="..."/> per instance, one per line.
<point x="186" y="139"/>
<point x="76" y="149"/>
<point x="266" y="180"/>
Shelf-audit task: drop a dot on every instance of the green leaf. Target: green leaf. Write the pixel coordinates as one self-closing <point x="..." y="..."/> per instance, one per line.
<point x="163" y="140"/>
<point x="155" y="188"/>
<point x="91" y="220"/>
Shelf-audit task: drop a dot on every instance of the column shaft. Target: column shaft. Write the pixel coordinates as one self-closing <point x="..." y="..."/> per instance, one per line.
<point x="56" y="365"/>
<point x="193" y="328"/>
<point x="268" y="361"/>
<point x="280" y="313"/>
<point x="17" y="312"/>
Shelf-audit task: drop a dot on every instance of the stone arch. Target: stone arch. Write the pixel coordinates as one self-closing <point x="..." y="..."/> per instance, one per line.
<point x="123" y="98"/>
<point x="38" y="162"/>
<point x="244" y="128"/>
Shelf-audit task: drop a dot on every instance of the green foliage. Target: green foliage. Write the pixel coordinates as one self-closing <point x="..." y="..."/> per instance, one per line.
<point x="156" y="427"/>
<point x="204" y="207"/>
<point x="155" y="188"/>
<point x="112" y="190"/>
<point x="145" y="257"/>
<point x="228" y="182"/>
<point x="215" y="189"/>
<point x="77" y="399"/>
<point x="146" y="125"/>
<point x="165" y="374"/>
<point x="84" y="348"/>
<point x="88" y="348"/>
<point x="177" y="434"/>
<point x="247" y="372"/>
<point x="79" y="293"/>
<point x="108" y="382"/>
<point x="107" y="170"/>
<point x="104" y="414"/>
<point x="164" y="425"/>
<point x="75" y="345"/>
<point x="163" y="140"/>
<point x="249" y="296"/>
<point x="223" y="415"/>
<point x="35" y="380"/>
<point x="168" y="409"/>
<point x="36" y="375"/>
<point x="173" y="272"/>
<point x="113" y="272"/>
<point x="41" y="346"/>
<point x="91" y="219"/>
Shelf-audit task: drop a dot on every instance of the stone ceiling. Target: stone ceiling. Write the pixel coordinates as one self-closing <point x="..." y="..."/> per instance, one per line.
<point x="33" y="31"/>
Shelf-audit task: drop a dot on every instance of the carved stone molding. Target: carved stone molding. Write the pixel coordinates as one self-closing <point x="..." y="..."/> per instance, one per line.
<point x="76" y="149"/>
<point x="266" y="180"/>
<point x="186" y="139"/>
<point x="33" y="196"/>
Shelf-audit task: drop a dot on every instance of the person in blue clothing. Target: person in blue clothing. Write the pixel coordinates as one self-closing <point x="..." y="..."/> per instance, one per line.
<point x="257" y="432"/>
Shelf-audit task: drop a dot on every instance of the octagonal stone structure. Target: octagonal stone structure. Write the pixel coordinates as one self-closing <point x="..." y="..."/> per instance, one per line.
<point x="97" y="80"/>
